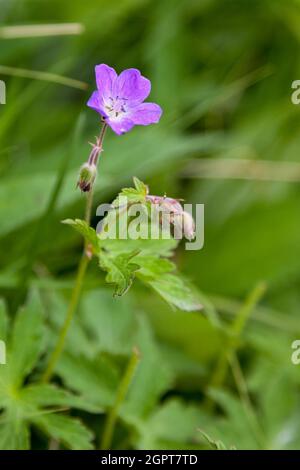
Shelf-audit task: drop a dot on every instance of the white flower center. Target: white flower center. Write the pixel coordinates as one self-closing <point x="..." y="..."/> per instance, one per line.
<point x="115" y="107"/>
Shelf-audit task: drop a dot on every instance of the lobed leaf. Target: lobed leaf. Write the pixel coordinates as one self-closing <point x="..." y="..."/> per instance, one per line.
<point x="69" y="431"/>
<point x="120" y="269"/>
<point x="88" y="233"/>
<point x="47" y="395"/>
<point x="27" y="340"/>
<point x="175" y="290"/>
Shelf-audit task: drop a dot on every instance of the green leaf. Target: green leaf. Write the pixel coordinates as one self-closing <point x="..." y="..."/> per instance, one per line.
<point x="174" y="421"/>
<point x="34" y="404"/>
<point x="146" y="246"/>
<point x="27" y="340"/>
<point x="133" y="195"/>
<point x="96" y="379"/>
<point x="88" y="233"/>
<point x="78" y="340"/>
<point x="141" y="187"/>
<point x="14" y="433"/>
<point x="152" y="266"/>
<point x="175" y="290"/>
<point x="113" y="330"/>
<point x="237" y="427"/>
<point x="3" y="320"/>
<point x="68" y="430"/>
<point x="149" y="255"/>
<point x="120" y="269"/>
<point x="279" y="402"/>
<point x="44" y="395"/>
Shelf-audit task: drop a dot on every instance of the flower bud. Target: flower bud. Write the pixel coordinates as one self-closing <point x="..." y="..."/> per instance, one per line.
<point x="87" y="176"/>
<point x="170" y="205"/>
<point x="165" y="204"/>
<point x="188" y="225"/>
<point x="182" y="221"/>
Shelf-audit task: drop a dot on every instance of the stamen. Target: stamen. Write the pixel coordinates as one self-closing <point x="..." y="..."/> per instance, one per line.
<point x="116" y="107"/>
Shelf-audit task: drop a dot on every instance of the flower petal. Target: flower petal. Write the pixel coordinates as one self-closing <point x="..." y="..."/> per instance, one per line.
<point x="145" y="113"/>
<point x="132" y="86"/>
<point x="120" y="126"/>
<point x="105" y="79"/>
<point x="93" y="101"/>
<point x="96" y="103"/>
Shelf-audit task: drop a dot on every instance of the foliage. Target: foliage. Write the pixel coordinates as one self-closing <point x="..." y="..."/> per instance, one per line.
<point x="142" y="258"/>
<point x="222" y="72"/>
<point x="35" y="404"/>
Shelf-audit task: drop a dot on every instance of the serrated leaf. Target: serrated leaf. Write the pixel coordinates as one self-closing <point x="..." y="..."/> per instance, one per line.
<point x="146" y="246"/>
<point x="96" y="379"/>
<point x="88" y="233"/>
<point x="175" y="290"/>
<point x="121" y="270"/>
<point x="33" y="404"/>
<point x="69" y="431"/>
<point x="141" y="187"/>
<point x="78" y="340"/>
<point x="46" y="395"/>
<point x="133" y="195"/>
<point x="153" y="266"/>
<point x="113" y="330"/>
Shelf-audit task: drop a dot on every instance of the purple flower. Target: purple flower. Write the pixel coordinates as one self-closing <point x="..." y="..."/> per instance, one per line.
<point x="119" y="99"/>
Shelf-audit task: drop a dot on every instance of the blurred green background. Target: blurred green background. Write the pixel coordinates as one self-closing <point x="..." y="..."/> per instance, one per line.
<point x="229" y="138"/>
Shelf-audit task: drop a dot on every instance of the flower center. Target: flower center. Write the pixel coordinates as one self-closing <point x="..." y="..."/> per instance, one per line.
<point x="115" y="106"/>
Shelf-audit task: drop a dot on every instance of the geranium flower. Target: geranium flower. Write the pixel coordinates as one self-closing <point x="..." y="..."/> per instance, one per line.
<point x="119" y="99"/>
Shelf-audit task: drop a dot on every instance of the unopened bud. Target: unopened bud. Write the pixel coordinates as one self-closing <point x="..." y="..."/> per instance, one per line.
<point x="87" y="176"/>
<point x="166" y="204"/>
<point x="182" y="221"/>
<point x="188" y="225"/>
<point x="170" y="205"/>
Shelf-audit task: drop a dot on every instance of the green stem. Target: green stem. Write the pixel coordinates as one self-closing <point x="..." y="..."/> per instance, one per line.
<point x="120" y="397"/>
<point x="75" y="296"/>
<point x="246" y="309"/>
<point x="70" y="313"/>
<point x="234" y="334"/>
<point x="246" y="401"/>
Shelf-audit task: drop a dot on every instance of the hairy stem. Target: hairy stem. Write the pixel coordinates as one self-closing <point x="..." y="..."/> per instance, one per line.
<point x="121" y="394"/>
<point x="75" y="296"/>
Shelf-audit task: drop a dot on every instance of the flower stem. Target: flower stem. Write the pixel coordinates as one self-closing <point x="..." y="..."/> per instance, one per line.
<point x="70" y="313"/>
<point x="121" y="394"/>
<point x="75" y="296"/>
